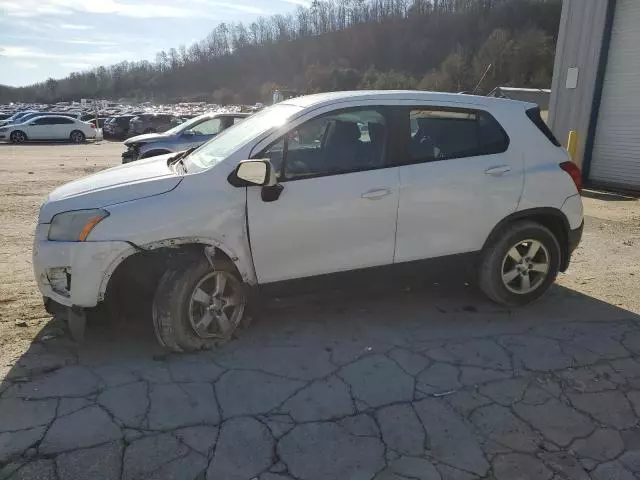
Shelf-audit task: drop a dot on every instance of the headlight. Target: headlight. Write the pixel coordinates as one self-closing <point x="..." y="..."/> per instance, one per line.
<point x="75" y="226"/>
<point x="4" y="129"/>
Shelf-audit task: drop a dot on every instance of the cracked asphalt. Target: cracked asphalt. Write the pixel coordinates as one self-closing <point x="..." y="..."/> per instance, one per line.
<point x="417" y="381"/>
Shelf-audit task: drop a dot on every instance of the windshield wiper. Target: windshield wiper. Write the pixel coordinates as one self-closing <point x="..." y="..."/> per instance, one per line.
<point x="178" y="158"/>
<point x="181" y="155"/>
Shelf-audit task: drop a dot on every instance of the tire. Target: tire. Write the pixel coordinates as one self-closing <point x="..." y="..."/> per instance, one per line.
<point x="18" y="137"/>
<point x="502" y="277"/>
<point x="77" y="137"/>
<point x="175" y="310"/>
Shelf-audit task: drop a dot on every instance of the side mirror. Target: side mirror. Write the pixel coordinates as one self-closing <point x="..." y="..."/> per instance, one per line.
<point x="188" y="133"/>
<point x="257" y="172"/>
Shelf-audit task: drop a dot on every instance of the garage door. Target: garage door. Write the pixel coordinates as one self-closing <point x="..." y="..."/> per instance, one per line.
<point x="616" y="153"/>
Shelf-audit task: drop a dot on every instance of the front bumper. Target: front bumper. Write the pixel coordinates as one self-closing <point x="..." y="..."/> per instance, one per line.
<point x="74" y="273"/>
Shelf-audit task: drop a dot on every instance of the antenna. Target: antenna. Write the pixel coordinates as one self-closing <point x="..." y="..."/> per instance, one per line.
<point x="481" y="80"/>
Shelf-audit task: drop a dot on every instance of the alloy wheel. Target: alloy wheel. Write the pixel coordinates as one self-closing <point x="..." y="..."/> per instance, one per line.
<point x="216" y="305"/>
<point x="525" y="266"/>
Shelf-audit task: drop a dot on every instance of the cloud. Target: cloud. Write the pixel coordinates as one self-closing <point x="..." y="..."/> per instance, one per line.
<point x="303" y="3"/>
<point x="74" y="26"/>
<point x="34" y="8"/>
<point x="78" y="65"/>
<point x="92" y="58"/>
<point x="73" y="41"/>
<point x="25" y="64"/>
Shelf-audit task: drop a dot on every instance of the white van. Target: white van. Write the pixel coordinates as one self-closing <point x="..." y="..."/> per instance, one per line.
<point x="316" y="185"/>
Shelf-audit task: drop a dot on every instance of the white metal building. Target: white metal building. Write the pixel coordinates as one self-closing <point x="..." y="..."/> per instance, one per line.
<point x="596" y="89"/>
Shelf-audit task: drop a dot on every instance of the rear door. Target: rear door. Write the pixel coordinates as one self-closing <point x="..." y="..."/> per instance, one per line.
<point x="61" y="128"/>
<point x="460" y="178"/>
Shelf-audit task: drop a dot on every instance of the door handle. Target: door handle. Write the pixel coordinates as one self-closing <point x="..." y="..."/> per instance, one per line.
<point x="376" y="193"/>
<point x="499" y="170"/>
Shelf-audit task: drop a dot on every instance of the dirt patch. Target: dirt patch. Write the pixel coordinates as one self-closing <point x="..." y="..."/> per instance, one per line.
<point x="23" y="193"/>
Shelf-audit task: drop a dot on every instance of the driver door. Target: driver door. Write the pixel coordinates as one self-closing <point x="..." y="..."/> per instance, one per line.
<point x="39" y="128"/>
<point x="338" y="204"/>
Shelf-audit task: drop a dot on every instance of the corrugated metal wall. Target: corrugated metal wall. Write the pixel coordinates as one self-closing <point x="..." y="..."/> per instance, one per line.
<point x="615" y="160"/>
<point x="582" y="26"/>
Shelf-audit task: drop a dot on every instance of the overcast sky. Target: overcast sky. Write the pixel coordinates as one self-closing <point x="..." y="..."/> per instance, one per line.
<point x="52" y="38"/>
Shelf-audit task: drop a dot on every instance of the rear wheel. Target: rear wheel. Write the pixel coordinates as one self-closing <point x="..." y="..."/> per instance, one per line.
<point x="18" y="137"/>
<point x="521" y="264"/>
<point x="197" y="306"/>
<point x="77" y="137"/>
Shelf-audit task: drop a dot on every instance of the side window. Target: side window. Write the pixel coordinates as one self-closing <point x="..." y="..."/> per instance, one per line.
<point x="208" y="127"/>
<point x="42" y="121"/>
<point x="61" y="121"/>
<point x="338" y="142"/>
<point x="442" y="134"/>
<point x="237" y="119"/>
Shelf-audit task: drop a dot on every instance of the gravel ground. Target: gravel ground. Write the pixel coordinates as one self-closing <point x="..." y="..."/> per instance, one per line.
<point x="425" y="382"/>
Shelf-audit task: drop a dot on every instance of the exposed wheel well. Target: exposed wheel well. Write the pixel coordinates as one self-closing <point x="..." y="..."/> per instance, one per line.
<point x="132" y="285"/>
<point x="551" y="218"/>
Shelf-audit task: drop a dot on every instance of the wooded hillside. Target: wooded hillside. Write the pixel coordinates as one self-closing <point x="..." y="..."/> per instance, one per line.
<point x="443" y="45"/>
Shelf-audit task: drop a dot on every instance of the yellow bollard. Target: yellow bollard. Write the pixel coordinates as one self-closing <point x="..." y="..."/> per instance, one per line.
<point x="572" y="144"/>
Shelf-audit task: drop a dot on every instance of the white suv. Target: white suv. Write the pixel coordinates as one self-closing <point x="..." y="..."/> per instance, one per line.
<point x="316" y="185"/>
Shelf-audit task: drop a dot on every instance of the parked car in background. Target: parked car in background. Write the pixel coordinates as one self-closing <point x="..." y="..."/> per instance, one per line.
<point x="152" y="123"/>
<point x="189" y="134"/>
<point x="117" y="127"/>
<point x="15" y="117"/>
<point x="101" y="121"/>
<point x="4" y="116"/>
<point x="29" y="116"/>
<point x="48" y="127"/>
<point x="298" y="191"/>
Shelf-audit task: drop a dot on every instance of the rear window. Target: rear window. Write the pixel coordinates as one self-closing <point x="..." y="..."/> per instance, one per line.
<point x="534" y="116"/>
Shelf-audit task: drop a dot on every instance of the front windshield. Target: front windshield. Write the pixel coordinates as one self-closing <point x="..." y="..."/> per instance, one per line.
<point x="185" y="125"/>
<point x="235" y="137"/>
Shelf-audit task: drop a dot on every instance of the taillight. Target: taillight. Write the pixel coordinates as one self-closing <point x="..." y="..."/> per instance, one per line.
<point x="574" y="172"/>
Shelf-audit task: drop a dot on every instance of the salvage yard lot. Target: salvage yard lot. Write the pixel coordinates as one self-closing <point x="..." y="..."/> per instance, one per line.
<point x="416" y="381"/>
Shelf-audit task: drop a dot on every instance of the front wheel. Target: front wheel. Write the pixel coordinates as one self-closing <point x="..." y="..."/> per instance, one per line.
<point x="77" y="137"/>
<point x="18" y="137"/>
<point x="197" y="306"/>
<point x="521" y="264"/>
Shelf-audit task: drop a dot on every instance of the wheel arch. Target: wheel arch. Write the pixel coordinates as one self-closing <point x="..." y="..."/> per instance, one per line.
<point x="552" y="218"/>
<point x="139" y="260"/>
<point x="17" y="130"/>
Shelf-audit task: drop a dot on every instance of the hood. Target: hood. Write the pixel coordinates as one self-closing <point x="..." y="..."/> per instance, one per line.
<point x="144" y="178"/>
<point x="147" y="137"/>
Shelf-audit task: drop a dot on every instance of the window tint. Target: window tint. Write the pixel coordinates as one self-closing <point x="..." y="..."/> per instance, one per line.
<point x="60" y="121"/>
<point x="42" y="121"/>
<point x="441" y="134"/>
<point x="208" y="127"/>
<point x="338" y="142"/>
